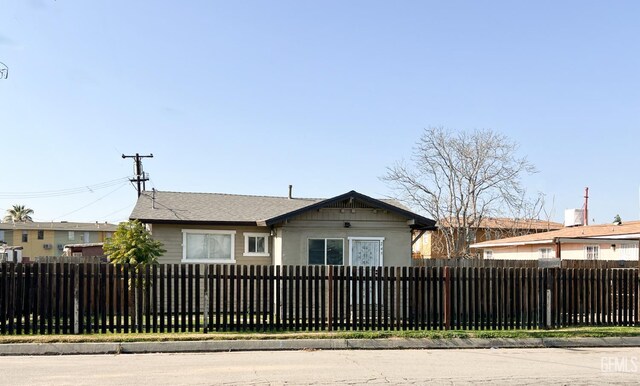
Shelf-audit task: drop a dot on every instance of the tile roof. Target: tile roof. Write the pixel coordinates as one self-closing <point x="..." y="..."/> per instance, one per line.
<point x="218" y="207"/>
<point x="59" y="226"/>
<point x="513" y="223"/>
<point x="630" y="229"/>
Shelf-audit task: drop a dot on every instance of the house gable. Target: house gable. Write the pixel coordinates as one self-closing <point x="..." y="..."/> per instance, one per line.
<point x="353" y="201"/>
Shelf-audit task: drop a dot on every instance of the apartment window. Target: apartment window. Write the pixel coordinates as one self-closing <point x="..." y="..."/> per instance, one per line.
<point x="72" y="235"/>
<point x="1" y="236"/>
<point x="207" y="246"/>
<point x="25" y="236"/>
<point x="488" y="254"/>
<point x="85" y="237"/>
<point x="326" y="251"/>
<point x="256" y="244"/>
<point x="591" y="252"/>
<point x="40" y="235"/>
<point x="108" y="235"/>
<point x="546" y="253"/>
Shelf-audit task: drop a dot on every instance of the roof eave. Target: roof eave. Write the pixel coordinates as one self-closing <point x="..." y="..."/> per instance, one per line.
<point x="510" y="244"/>
<point x="197" y="222"/>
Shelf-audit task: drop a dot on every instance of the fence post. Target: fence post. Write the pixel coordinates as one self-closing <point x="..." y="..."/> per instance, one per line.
<point x="548" y="323"/>
<point x="206" y="297"/>
<point x="76" y="299"/>
<point x="447" y="298"/>
<point x="548" y="287"/>
<point x="330" y="302"/>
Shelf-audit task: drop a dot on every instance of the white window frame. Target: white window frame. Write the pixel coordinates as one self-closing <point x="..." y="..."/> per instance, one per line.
<point x="595" y="252"/>
<point x="185" y="232"/>
<point x="246" y="244"/>
<point x="548" y="251"/>
<point x="488" y="254"/>
<point x="325" y="250"/>
<point x="380" y="239"/>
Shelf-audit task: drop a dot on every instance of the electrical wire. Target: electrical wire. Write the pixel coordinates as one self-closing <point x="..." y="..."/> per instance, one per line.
<point x="64" y="192"/>
<point x="117" y="211"/>
<point x="93" y="202"/>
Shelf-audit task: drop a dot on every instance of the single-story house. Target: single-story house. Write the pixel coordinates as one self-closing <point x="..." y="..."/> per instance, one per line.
<point x="432" y="244"/>
<point x="349" y="229"/>
<point x="588" y="242"/>
<point x="83" y="249"/>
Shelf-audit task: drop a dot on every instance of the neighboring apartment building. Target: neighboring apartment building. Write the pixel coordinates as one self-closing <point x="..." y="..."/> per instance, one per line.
<point x="49" y="238"/>
<point x="431" y="245"/>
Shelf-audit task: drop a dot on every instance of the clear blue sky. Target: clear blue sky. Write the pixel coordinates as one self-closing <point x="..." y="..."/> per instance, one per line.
<point x="247" y="97"/>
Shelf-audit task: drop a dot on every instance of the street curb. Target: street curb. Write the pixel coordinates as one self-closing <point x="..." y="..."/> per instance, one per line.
<point x="305" y="344"/>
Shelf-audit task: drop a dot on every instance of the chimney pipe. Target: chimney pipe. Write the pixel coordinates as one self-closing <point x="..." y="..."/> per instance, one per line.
<point x="153" y="198"/>
<point x="290" y="192"/>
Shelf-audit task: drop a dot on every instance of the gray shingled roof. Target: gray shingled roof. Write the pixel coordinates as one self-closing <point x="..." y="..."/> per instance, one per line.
<point x="214" y="207"/>
<point x="217" y="207"/>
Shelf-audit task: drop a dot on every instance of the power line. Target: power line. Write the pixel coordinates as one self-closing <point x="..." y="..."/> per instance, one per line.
<point x="91" y="203"/>
<point x="117" y="211"/>
<point x="64" y="192"/>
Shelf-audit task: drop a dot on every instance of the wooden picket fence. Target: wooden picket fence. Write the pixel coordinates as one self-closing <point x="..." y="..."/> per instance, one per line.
<point x="530" y="263"/>
<point x="99" y="298"/>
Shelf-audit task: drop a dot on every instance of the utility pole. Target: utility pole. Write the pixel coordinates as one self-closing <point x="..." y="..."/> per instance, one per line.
<point x="586" y="206"/>
<point x="140" y="176"/>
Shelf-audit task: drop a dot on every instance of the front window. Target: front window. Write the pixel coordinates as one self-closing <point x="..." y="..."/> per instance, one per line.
<point x="628" y="251"/>
<point x="256" y="244"/>
<point x="40" y="235"/>
<point x="25" y="236"/>
<point x="488" y="254"/>
<point x="591" y="252"/>
<point x="208" y="246"/>
<point x="72" y="235"/>
<point x="546" y="253"/>
<point x="326" y="251"/>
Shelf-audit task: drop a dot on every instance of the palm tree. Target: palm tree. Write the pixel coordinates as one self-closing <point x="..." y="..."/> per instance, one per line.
<point x="19" y="213"/>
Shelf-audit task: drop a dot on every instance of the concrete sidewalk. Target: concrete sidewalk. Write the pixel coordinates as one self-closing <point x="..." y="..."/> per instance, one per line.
<point x="304" y="344"/>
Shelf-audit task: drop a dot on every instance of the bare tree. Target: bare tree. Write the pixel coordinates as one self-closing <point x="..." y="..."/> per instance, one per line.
<point x="460" y="178"/>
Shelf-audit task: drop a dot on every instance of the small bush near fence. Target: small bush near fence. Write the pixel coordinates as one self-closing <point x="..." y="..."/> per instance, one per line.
<point x="89" y="298"/>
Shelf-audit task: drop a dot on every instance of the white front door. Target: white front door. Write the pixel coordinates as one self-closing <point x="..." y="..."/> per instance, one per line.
<point x="366" y="251"/>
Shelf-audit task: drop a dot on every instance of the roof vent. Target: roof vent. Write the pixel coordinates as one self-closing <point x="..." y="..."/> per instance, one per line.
<point x="290" y="192"/>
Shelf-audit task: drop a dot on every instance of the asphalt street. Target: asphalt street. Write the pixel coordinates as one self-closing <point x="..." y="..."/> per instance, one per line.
<point x="319" y="367"/>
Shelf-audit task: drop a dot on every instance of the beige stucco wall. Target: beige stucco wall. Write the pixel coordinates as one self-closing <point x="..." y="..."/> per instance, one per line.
<point x="570" y="251"/>
<point x="171" y="237"/>
<point x="329" y="223"/>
